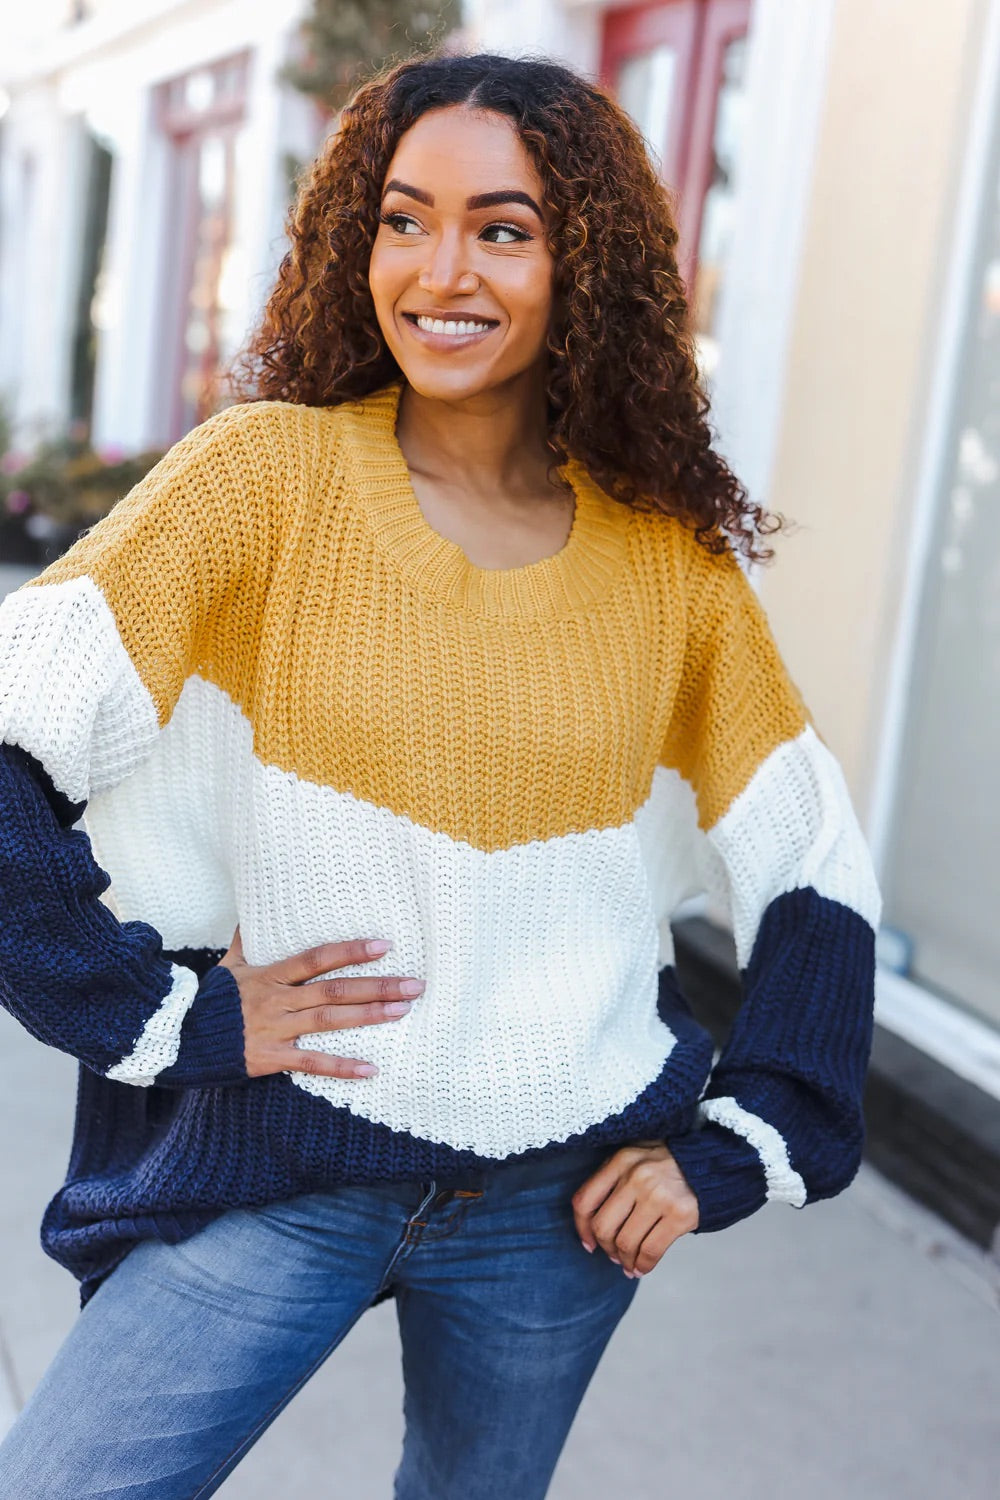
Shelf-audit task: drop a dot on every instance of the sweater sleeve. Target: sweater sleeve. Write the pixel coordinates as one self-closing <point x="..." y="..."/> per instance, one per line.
<point x="93" y="656"/>
<point x="780" y="848"/>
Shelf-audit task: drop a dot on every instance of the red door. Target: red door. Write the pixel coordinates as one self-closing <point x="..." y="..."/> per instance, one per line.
<point x="200" y="114"/>
<point x="677" y="67"/>
<point x="648" y="57"/>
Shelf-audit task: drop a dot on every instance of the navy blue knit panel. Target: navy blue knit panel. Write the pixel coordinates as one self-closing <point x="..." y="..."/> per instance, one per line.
<point x="161" y="1163"/>
<point x="72" y="974"/>
<point x="796" y="1057"/>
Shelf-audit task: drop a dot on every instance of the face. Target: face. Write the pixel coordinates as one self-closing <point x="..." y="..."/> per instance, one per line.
<point x="460" y="272"/>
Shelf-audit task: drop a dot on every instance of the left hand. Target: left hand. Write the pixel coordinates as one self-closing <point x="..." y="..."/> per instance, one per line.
<point x="635" y="1206"/>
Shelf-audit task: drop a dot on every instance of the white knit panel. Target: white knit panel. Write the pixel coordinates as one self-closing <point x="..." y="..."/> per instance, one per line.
<point x="69" y="693"/>
<point x="678" y="859"/>
<point x="793" y="825"/>
<point x="164" y="835"/>
<point x="539" y="1017"/>
<point x="783" y="1183"/>
<point x="160" y="1042"/>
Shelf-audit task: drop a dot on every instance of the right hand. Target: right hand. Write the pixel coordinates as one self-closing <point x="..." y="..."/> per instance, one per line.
<point x="279" y="1006"/>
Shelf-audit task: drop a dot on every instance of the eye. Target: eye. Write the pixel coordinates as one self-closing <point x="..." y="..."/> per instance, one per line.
<point x="401" y="223"/>
<point x="504" y="234"/>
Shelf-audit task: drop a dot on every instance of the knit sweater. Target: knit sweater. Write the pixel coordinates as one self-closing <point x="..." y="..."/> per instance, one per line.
<point x="275" y="696"/>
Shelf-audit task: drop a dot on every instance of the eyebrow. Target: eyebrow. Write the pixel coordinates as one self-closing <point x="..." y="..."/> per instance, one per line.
<point x="479" y="200"/>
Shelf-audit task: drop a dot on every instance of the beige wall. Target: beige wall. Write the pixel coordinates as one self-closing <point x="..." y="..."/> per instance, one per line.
<point x="874" y="253"/>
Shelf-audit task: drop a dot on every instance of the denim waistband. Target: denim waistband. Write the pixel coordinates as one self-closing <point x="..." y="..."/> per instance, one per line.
<point x="521" y="1172"/>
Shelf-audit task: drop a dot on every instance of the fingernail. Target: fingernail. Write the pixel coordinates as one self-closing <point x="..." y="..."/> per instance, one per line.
<point x="412" y="987"/>
<point x="614" y="1262"/>
<point x="398" y="1007"/>
<point x="632" y="1275"/>
<point x="365" y="1070"/>
<point x="377" y="947"/>
<point x="589" y="1248"/>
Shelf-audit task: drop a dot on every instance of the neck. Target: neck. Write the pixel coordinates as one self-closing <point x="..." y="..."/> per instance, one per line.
<point x="491" y="443"/>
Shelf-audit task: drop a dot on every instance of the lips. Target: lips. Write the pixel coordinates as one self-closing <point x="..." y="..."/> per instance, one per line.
<point x="440" y="327"/>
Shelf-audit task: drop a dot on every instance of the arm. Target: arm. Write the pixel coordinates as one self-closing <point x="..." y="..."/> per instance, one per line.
<point x="777" y="845"/>
<point x="781" y="1116"/>
<point x="93" y="656"/>
<point x="80" y="980"/>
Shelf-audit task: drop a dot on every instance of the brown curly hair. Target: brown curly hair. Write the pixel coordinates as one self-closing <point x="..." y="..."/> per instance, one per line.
<point x="623" y="387"/>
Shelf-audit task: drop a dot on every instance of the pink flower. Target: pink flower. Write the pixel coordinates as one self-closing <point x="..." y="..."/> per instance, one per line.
<point x="111" y="453"/>
<point x="11" y="462"/>
<point x="18" y="501"/>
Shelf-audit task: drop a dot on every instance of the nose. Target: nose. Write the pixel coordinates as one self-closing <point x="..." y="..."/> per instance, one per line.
<point x="447" y="272"/>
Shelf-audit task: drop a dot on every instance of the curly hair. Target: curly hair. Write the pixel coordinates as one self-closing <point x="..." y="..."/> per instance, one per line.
<point x="623" y="386"/>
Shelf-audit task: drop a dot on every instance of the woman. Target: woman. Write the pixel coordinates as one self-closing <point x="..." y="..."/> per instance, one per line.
<point x="433" y="676"/>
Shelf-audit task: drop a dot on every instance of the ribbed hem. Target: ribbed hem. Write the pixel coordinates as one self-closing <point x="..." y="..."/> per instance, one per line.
<point x="723" y="1171"/>
<point x="212" y="1050"/>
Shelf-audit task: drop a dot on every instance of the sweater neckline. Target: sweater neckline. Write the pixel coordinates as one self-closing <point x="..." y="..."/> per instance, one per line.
<point x="581" y="571"/>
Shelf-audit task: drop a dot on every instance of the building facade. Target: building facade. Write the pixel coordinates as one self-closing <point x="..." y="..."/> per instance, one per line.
<point x="148" y="152"/>
<point x="836" y="166"/>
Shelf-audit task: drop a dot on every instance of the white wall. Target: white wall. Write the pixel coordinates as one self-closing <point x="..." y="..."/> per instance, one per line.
<point x="40" y="240"/>
<point x="787" y="54"/>
<point x="569" y="32"/>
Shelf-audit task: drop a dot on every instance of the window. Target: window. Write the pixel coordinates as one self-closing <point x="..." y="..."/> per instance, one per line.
<point x="678" y="69"/>
<point x="99" y="166"/>
<point x="942" y="876"/>
<point x="200" y="114"/>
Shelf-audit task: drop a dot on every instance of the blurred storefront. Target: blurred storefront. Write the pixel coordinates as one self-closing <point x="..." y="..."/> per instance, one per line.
<point x="145" y="161"/>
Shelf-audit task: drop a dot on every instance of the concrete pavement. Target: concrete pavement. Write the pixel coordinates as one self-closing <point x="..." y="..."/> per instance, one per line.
<point x="12" y="576"/>
<point x="848" y="1350"/>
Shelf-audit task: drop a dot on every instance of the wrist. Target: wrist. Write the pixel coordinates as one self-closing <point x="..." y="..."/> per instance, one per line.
<point x="212" y="1042"/>
<point x="724" y="1173"/>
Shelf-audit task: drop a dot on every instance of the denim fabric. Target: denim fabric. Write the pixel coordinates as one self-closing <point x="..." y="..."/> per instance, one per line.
<point x="187" y="1352"/>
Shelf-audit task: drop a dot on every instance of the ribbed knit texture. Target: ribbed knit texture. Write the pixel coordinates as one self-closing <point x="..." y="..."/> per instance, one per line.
<point x="278" y="697"/>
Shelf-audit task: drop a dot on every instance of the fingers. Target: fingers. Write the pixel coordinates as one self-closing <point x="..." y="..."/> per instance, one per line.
<point x="352" y="992"/>
<point x="609" y="1220"/>
<point x="301" y="967"/>
<point x="644" y="1229"/>
<point x="341" y="1017"/>
<point x="635" y="1206"/>
<point x="588" y="1198"/>
<point x="319" y="1064"/>
<point x="655" y="1245"/>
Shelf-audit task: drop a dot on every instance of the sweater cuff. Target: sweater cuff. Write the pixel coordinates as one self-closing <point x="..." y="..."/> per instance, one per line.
<point x="723" y="1171"/>
<point x="212" y="1050"/>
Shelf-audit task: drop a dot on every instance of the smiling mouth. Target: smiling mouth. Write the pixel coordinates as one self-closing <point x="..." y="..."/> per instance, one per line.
<point x="456" y="328"/>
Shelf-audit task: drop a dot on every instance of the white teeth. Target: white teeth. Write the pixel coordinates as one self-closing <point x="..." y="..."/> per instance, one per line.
<point x="453" y="329"/>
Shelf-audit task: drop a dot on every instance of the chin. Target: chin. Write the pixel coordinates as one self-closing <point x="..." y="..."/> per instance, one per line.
<point x="436" y="384"/>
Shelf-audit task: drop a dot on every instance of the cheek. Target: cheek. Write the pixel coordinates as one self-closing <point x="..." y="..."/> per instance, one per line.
<point x="383" y="285"/>
<point x="523" y="287"/>
<point x="376" y="279"/>
<point x="532" y="299"/>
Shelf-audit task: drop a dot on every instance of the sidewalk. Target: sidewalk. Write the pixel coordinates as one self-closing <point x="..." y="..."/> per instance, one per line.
<point x="12" y="576"/>
<point x="848" y="1350"/>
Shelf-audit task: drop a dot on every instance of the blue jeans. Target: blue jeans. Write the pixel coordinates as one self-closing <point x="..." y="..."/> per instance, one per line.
<point x="187" y="1352"/>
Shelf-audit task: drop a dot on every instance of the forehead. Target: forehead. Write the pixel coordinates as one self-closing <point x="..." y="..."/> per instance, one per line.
<point x="464" y="151"/>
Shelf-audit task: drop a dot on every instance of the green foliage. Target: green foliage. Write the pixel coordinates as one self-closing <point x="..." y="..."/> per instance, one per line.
<point x="346" y="39"/>
<point x="69" y="482"/>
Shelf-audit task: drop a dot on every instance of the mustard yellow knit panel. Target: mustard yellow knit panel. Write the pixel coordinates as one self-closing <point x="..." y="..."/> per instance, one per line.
<point x="492" y="731"/>
<point x="249" y="556"/>
<point x="736" y="701"/>
<point x="183" y="560"/>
